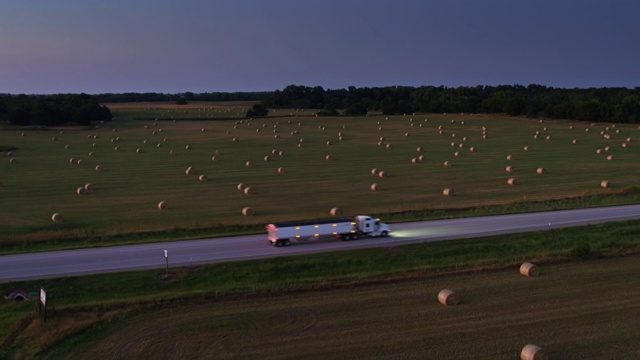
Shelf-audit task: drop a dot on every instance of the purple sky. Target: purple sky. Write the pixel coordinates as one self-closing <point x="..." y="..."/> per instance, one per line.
<point x="73" y="46"/>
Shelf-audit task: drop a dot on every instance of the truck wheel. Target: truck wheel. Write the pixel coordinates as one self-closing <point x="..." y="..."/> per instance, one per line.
<point x="278" y="243"/>
<point x="385" y="234"/>
<point x="287" y="242"/>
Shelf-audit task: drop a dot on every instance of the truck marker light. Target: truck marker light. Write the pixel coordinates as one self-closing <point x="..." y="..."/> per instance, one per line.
<point x="316" y="235"/>
<point x="297" y="227"/>
<point x="315" y="226"/>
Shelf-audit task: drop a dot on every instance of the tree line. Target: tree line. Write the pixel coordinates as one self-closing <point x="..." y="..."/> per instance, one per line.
<point x="52" y="110"/>
<point x="535" y="101"/>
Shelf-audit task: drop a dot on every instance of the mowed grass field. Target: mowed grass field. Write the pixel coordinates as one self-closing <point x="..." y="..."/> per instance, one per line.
<point x="578" y="310"/>
<point x="143" y="162"/>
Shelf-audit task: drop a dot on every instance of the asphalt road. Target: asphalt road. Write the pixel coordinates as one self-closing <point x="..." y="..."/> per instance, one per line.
<point x="194" y="252"/>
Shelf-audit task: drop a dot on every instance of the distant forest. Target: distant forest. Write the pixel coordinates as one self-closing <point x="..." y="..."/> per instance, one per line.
<point x="52" y="110"/>
<point x="595" y="104"/>
<point x="620" y="105"/>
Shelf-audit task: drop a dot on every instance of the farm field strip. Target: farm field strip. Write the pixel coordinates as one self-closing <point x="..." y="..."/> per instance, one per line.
<point x="577" y="310"/>
<point x="129" y="185"/>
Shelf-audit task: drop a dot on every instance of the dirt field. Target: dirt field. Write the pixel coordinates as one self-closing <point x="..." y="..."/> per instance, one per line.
<point x="580" y="310"/>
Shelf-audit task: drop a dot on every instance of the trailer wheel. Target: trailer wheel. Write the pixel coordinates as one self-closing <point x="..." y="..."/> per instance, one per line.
<point x="286" y="242"/>
<point x="385" y="234"/>
<point x="278" y="243"/>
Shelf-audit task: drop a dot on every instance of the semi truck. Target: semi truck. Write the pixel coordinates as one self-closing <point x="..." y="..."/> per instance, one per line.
<point x="281" y="234"/>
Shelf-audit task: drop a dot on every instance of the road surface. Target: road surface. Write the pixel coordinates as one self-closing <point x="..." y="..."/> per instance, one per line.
<point x="195" y="252"/>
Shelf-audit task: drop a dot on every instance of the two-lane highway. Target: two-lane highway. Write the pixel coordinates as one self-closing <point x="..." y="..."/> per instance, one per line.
<point x="151" y="256"/>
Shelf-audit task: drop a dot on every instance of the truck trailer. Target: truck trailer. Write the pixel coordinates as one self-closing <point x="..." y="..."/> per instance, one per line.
<point x="281" y="234"/>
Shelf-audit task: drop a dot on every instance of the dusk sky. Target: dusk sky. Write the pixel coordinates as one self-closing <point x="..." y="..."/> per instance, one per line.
<point x="73" y="46"/>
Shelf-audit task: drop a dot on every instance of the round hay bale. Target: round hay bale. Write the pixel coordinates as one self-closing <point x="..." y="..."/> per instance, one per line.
<point x="335" y="211"/>
<point x="605" y="184"/>
<point x="72" y="160"/>
<point x="13" y="161"/>
<point x="414" y="160"/>
<point x="187" y="147"/>
<point x="247" y="211"/>
<point x="202" y="177"/>
<point x="598" y="151"/>
<point x="248" y="190"/>
<point x="380" y="143"/>
<point x="511" y="181"/>
<point x="419" y="149"/>
<point x="54" y="139"/>
<point x="607" y="148"/>
<point x="81" y="190"/>
<point x="282" y="170"/>
<point x="56" y="218"/>
<point x="540" y="170"/>
<point x="509" y="168"/>
<point x="448" y="163"/>
<point x="92" y="154"/>
<point x="461" y="145"/>
<point x="281" y="153"/>
<point x="267" y="158"/>
<point x="375" y="187"/>
<point x="448" y="297"/>
<point x="241" y="186"/>
<point x="407" y="134"/>
<point x="526" y="148"/>
<point x="509" y="157"/>
<point x="248" y="164"/>
<point x="456" y="154"/>
<point x="533" y="352"/>
<point x="98" y="168"/>
<point x="586" y="130"/>
<point x="421" y="158"/>
<point x="162" y="205"/>
<point x="472" y="149"/>
<point x="453" y="144"/>
<point x="571" y="127"/>
<point x="574" y="141"/>
<point x="190" y="171"/>
<point x="610" y="157"/>
<point x="235" y="139"/>
<point x="528" y="269"/>
<point x="624" y="145"/>
<point x="218" y="152"/>
<point x="382" y="174"/>
<point x="328" y="142"/>
<point x="159" y="145"/>
<point x="389" y="146"/>
<point x="276" y="136"/>
<point x="447" y="192"/>
<point x="145" y="141"/>
<point x="374" y="171"/>
<point x="79" y="161"/>
<point x="139" y="151"/>
<point x="629" y="139"/>
<point x="274" y="152"/>
<point x="381" y="128"/>
<point x="300" y="145"/>
<point x="485" y="136"/>
<point x="328" y="157"/>
<point x="89" y="187"/>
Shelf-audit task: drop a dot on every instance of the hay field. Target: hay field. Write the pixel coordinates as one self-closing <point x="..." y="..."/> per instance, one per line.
<point x="579" y="310"/>
<point x="143" y="162"/>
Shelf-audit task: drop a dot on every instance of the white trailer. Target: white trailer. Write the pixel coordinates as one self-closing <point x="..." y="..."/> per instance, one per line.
<point x="345" y="229"/>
